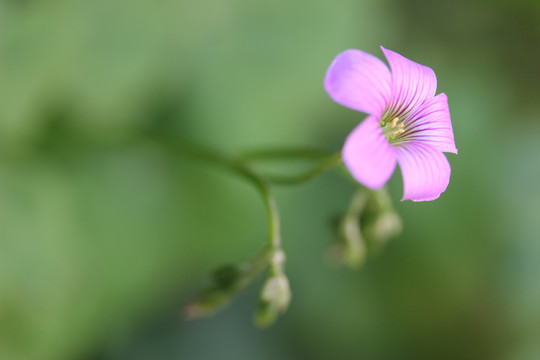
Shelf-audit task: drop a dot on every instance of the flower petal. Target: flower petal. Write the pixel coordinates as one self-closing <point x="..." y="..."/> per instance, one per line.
<point x="412" y="83"/>
<point x="368" y="155"/>
<point x="358" y="80"/>
<point x="430" y="124"/>
<point x="425" y="170"/>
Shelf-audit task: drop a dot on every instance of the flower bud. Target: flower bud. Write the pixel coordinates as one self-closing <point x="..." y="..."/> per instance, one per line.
<point x="380" y="220"/>
<point x="386" y="226"/>
<point x="225" y="283"/>
<point x="274" y="299"/>
<point x="350" y="248"/>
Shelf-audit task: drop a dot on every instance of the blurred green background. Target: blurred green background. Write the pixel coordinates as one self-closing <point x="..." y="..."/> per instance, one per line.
<point x="105" y="233"/>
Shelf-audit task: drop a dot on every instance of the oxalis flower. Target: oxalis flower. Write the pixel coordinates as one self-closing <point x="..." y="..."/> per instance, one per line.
<point x="407" y="123"/>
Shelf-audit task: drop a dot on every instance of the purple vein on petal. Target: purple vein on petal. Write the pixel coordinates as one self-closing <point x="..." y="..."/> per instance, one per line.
<point x="425" y="171"/>
<point x="430" y="123"/>
<point x="412" y="83"/>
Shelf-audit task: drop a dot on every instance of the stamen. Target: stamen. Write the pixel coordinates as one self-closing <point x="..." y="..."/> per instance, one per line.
<point x="392" y="129"/>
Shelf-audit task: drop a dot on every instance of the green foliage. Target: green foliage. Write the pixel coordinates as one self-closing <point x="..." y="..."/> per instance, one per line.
<point x="105" y="233"/>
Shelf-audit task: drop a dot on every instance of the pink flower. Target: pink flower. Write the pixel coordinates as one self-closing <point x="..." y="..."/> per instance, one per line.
<point x="407" y="123"/>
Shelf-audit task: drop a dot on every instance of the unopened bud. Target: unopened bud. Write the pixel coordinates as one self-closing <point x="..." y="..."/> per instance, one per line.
<point x="274" y="300"/>
<point x="226" y="282"/>
<point x="386" y="226"/>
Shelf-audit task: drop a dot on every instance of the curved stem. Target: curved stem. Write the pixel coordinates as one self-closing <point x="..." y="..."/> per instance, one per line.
<point x="262" y="183"/>
<point x="329" y="163"/>
<point x="258" y="182"/>
<point x="355" y="250"/>
<point x="282" y="154"/>
<point x="270" y="204"/>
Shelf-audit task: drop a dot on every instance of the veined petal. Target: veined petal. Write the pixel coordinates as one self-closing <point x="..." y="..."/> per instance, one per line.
<point x="430" y="124"/>
<point x="368" y="155"/>
<point x="412" y="83"/>
<point x="425" y="170"/>
<point x="360" y="81"/>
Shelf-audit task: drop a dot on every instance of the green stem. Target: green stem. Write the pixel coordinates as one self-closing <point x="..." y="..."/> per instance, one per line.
<point x="327" y="164"/>
<point x="258" y="182"/>
<point x="282" y="154"/>
<point x="262" y="183"/>
<point x="354" y="245"/>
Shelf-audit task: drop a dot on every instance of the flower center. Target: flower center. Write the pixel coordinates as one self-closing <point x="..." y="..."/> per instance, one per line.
<point x="392" y="128"/>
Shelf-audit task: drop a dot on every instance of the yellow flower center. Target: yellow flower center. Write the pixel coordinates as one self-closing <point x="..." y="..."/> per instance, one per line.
<point x="392" y="128"/>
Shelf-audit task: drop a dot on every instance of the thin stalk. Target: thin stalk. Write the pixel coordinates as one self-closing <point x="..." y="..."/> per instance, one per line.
<point x="258" y="182"/>
<point x="327" y="164"/>
<point x="355" y="250"/>
<point x="282" y="154"/>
